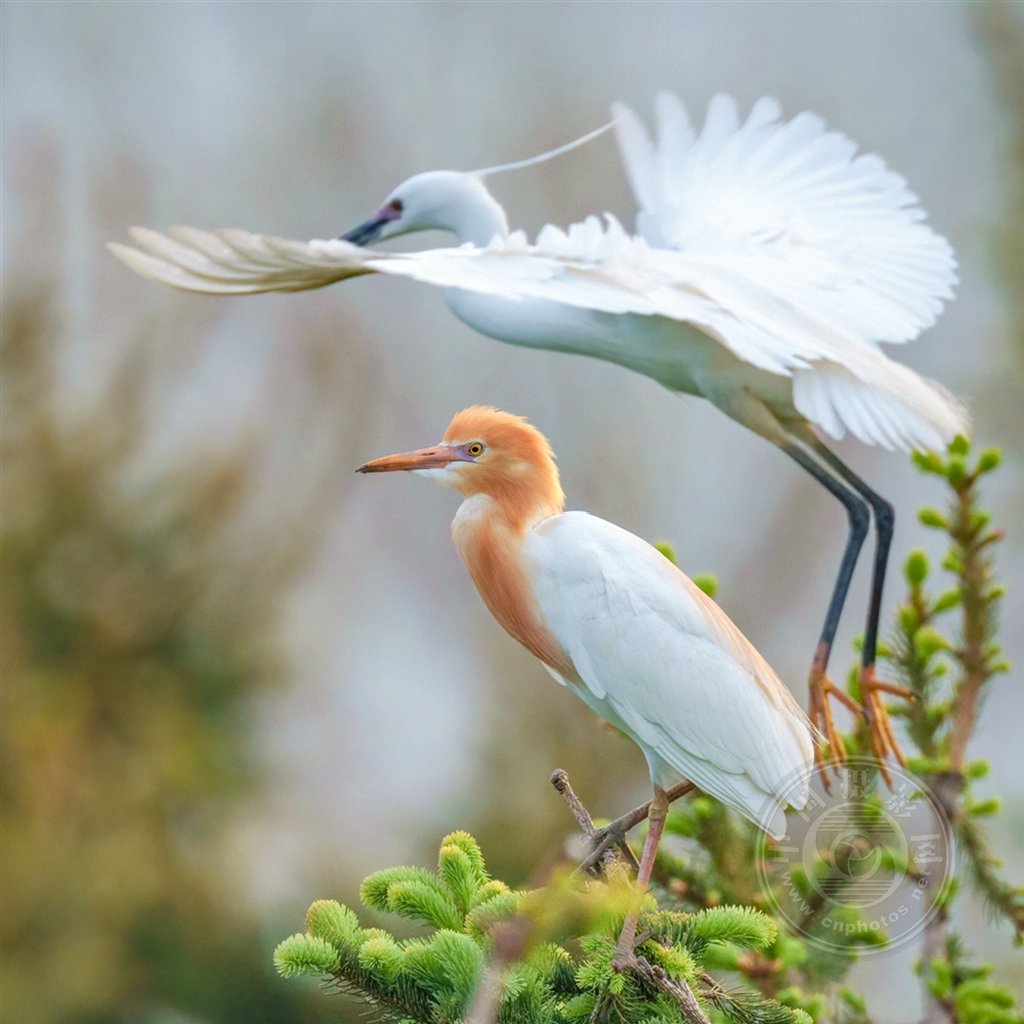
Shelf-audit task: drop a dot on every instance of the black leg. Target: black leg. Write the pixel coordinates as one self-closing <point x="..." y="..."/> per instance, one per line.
<point x="857" y="511"/>
<point x="820" y="686"/>
<point x="885" y="518"/>
<point x="883" y="739"/>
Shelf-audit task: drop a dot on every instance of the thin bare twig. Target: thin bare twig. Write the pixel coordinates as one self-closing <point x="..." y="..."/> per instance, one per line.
<point x="675" y="988"/>
<point x="560" y="780"/>
<point x="613" y="834"/>
<point x="616" y="831"/>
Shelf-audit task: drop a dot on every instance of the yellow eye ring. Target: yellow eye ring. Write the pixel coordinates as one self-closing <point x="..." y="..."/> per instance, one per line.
<point x="475" y="449"/>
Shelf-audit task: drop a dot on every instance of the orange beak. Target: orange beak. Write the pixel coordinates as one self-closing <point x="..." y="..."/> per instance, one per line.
<point x="424" y="458"/>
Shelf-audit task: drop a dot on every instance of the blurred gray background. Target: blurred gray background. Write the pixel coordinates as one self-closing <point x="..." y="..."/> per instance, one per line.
<point x="390" y="708"/>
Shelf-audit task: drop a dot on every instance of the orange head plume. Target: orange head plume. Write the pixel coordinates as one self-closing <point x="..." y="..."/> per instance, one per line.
<point x="487" y="451"/>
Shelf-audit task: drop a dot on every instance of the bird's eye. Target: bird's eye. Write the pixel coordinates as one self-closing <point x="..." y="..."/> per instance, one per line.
<point x="475" y="449"/>
<point x="396" y="205"/>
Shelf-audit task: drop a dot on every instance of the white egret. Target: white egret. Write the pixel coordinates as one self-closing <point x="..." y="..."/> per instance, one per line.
<point x="617" y="623"/>
<point x="770" y="263"/>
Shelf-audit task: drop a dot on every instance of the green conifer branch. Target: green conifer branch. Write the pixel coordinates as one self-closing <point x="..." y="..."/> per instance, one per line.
<point x="950" y="678"/>
<point x="433" y="979"/>
<point x="945" y="716"/>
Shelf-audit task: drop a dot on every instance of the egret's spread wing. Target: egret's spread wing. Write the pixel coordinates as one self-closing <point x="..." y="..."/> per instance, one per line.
<point x="591" y="265"/>
<point x="790" y="209"/>
<point x="598" y="266"/>
<point x="668" y="666"/>
<point x="234" y="262"/>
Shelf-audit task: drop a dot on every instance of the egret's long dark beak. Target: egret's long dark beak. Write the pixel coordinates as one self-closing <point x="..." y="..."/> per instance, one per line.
<point x="366" y="232"/>
<point x="423" y="458"/>
<point x="370" y="229"/>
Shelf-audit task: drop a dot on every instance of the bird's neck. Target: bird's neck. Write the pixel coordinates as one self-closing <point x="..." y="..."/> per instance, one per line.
<point x="490" y="544"/>
<point x="477" y="218"/>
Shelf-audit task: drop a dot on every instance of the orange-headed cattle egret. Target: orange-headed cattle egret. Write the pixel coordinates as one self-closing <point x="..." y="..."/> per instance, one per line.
<point x="616" y="622"/>
<point x="771" y="260"/>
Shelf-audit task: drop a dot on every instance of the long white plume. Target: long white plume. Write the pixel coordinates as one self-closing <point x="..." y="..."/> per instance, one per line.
<point x="550" y="154"/>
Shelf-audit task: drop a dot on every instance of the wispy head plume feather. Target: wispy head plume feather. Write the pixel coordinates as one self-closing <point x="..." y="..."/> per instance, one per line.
<point x="550" y="154"/>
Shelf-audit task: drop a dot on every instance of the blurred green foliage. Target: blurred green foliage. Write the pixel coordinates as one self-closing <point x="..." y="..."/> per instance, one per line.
<point x="133" y="639"/>
<point x="1000" y="28"/>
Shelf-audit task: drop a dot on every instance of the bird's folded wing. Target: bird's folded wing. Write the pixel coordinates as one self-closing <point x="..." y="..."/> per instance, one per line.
<point x="791" y="207"/>
<point x="669" y="663"/>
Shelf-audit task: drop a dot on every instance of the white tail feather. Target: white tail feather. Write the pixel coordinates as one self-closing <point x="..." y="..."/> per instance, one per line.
<point x="897" y="409"/>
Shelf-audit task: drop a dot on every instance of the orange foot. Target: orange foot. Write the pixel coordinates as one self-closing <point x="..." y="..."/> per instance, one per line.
<point x="820" y="713"/>
<point x="882" y="739"/>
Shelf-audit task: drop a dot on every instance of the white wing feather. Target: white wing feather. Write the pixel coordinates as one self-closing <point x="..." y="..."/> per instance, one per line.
<point x="590" y="266"/>
<point x="661" y="661"/>
<point x="234" y="262"/>
<point x="790" y="207"/>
